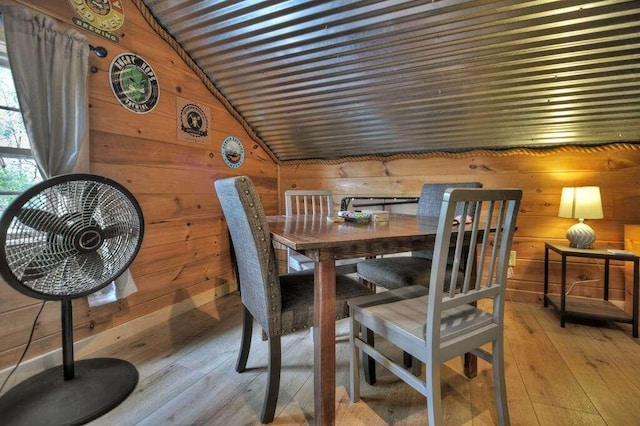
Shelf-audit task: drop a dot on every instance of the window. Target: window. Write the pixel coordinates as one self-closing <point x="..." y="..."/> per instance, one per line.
<point x="18" y="170"/>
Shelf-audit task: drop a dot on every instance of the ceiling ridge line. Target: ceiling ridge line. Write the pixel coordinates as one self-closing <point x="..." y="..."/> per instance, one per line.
<point x="162" y="32"/>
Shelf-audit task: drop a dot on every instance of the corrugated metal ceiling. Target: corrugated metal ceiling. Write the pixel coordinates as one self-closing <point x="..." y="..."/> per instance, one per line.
<point x="330" y="79"/>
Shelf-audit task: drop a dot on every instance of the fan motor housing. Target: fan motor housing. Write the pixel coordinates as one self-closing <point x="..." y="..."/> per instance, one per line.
<point x="89" y="239"/>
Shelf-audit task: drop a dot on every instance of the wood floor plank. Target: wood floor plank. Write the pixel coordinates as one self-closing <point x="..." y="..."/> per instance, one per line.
<point x="520" y="406"/>
<point x="558" y="416"/>
<point x="203" y="397"/>
<point x="546" y="374"/>
<point x="581" y="374"/>
<point x="622" y="350"/>
<point x="612" y="391"/>
<point x="151" y="394"/>
<point x="296" y="371"/>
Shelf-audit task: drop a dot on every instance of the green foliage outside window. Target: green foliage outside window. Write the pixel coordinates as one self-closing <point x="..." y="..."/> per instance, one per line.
<point x="18" y="170"/>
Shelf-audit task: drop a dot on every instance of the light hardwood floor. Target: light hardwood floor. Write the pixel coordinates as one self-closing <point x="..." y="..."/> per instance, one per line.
<point x="584" y="374"/>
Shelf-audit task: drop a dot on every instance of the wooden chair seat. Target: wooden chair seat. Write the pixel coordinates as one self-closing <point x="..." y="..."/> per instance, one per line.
<point x="404" y="313"/>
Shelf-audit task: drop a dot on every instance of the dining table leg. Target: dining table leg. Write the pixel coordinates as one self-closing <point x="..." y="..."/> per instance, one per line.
<point x="324" y="342"/>
<point x="470" y="366"/>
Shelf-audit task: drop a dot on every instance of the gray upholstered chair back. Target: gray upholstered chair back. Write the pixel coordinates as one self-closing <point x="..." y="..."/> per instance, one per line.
<point x="431" y="197"/>
<point x="430" y="203"/>
<point x="256" y="261"/>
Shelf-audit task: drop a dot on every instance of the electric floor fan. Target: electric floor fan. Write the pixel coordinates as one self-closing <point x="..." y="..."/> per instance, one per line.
<point x="62" y="239"/>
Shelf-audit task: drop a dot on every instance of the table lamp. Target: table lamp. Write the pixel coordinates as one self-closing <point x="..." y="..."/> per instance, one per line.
<point x="581" y="202"/>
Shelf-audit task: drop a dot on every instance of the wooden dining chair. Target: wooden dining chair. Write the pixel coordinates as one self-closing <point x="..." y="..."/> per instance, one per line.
<point x="281" y="304"/>
<point x="401" y="271"/>
<point x="439" y="324"/>
<point x="305" y="202"/>
<point x="311" y="202"/>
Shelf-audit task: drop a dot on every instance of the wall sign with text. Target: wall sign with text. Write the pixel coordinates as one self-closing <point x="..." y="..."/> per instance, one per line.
<point x="134" y="83"/>
<point x="101" y="17"/>
<point x="193" y="122"/>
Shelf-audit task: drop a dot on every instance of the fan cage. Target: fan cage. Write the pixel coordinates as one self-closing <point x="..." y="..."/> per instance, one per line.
<point x="69" y="236"/>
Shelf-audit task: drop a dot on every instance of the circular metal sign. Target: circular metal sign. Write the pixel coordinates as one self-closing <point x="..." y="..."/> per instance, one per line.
<point x="106" y="15"/>
<point x="193" y="121"/>
<point x="232" y="152"/>
<point x="134" y="83"/>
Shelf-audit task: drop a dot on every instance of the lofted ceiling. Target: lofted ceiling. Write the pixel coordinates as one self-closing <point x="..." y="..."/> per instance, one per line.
<point x="332" y="79"/>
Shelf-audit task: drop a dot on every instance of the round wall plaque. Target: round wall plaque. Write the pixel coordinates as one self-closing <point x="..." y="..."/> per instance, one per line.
<point x="232" y="152"/>
<point x="106" y="15"/>
<point x="134" y="83"/>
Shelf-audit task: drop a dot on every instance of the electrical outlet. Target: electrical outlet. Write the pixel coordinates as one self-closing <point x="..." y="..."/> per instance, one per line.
<point x="512" y="258"/>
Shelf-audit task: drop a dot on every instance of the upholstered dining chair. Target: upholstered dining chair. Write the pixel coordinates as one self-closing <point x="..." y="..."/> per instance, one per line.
<point x="311" y="202"/>
<point x="401" y="271"/>
<point x="281" y="304"/>
<point x="437" y="324"/>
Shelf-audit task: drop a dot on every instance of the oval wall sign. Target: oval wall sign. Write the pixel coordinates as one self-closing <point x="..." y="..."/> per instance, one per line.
<point x="134" y="83"/>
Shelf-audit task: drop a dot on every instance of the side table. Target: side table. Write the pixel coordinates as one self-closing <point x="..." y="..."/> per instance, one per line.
<point x="571" y="306"/>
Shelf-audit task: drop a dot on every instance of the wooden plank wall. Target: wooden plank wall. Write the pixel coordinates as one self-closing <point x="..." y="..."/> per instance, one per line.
<point x="185" y="251"/>
<point x="540" y="175"/>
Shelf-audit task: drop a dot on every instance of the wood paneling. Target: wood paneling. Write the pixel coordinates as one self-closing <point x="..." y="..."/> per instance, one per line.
<point x="616" y="171"/>
<point x="185" y="251"/>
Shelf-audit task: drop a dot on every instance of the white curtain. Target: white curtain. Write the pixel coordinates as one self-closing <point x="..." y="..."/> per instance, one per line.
<point x="50" y="71"/>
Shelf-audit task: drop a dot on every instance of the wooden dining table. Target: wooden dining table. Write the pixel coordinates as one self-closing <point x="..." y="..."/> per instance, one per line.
<point x="324" y="242"/>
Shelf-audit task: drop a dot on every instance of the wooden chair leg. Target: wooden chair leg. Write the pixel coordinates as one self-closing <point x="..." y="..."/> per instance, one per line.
<point x="245" y="342"/>
<point x="273" y="383"/>
<point x="407" y="360"/>
<point x="470" y="365"/>
<point x="368" y="363"/>
<point x="369" y="284"/>
<point x="354" y="365"/>
<point x="411" y="363"/>
<point x="502" y="408"/>
<point x="434" y="402"/>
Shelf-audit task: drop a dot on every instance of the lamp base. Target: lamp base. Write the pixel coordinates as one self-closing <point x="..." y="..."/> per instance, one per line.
<point x="581" y="235"/>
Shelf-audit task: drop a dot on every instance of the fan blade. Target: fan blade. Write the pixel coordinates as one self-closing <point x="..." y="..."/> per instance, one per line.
<point x="92" y="264"/>
<point x="89" y="198"/>
<point x="46" y="260"/>
<point x="115" y="230"/>
<point x="42" y="220"/>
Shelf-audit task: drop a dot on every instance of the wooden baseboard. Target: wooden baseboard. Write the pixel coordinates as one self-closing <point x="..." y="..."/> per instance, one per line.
<point x="92" y="344"/>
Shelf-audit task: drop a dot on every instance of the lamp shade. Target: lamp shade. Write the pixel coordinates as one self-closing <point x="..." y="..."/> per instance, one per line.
<point x="582" y="202"/>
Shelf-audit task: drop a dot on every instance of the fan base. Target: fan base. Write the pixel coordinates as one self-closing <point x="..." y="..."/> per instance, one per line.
<point x="99" y="385"/>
